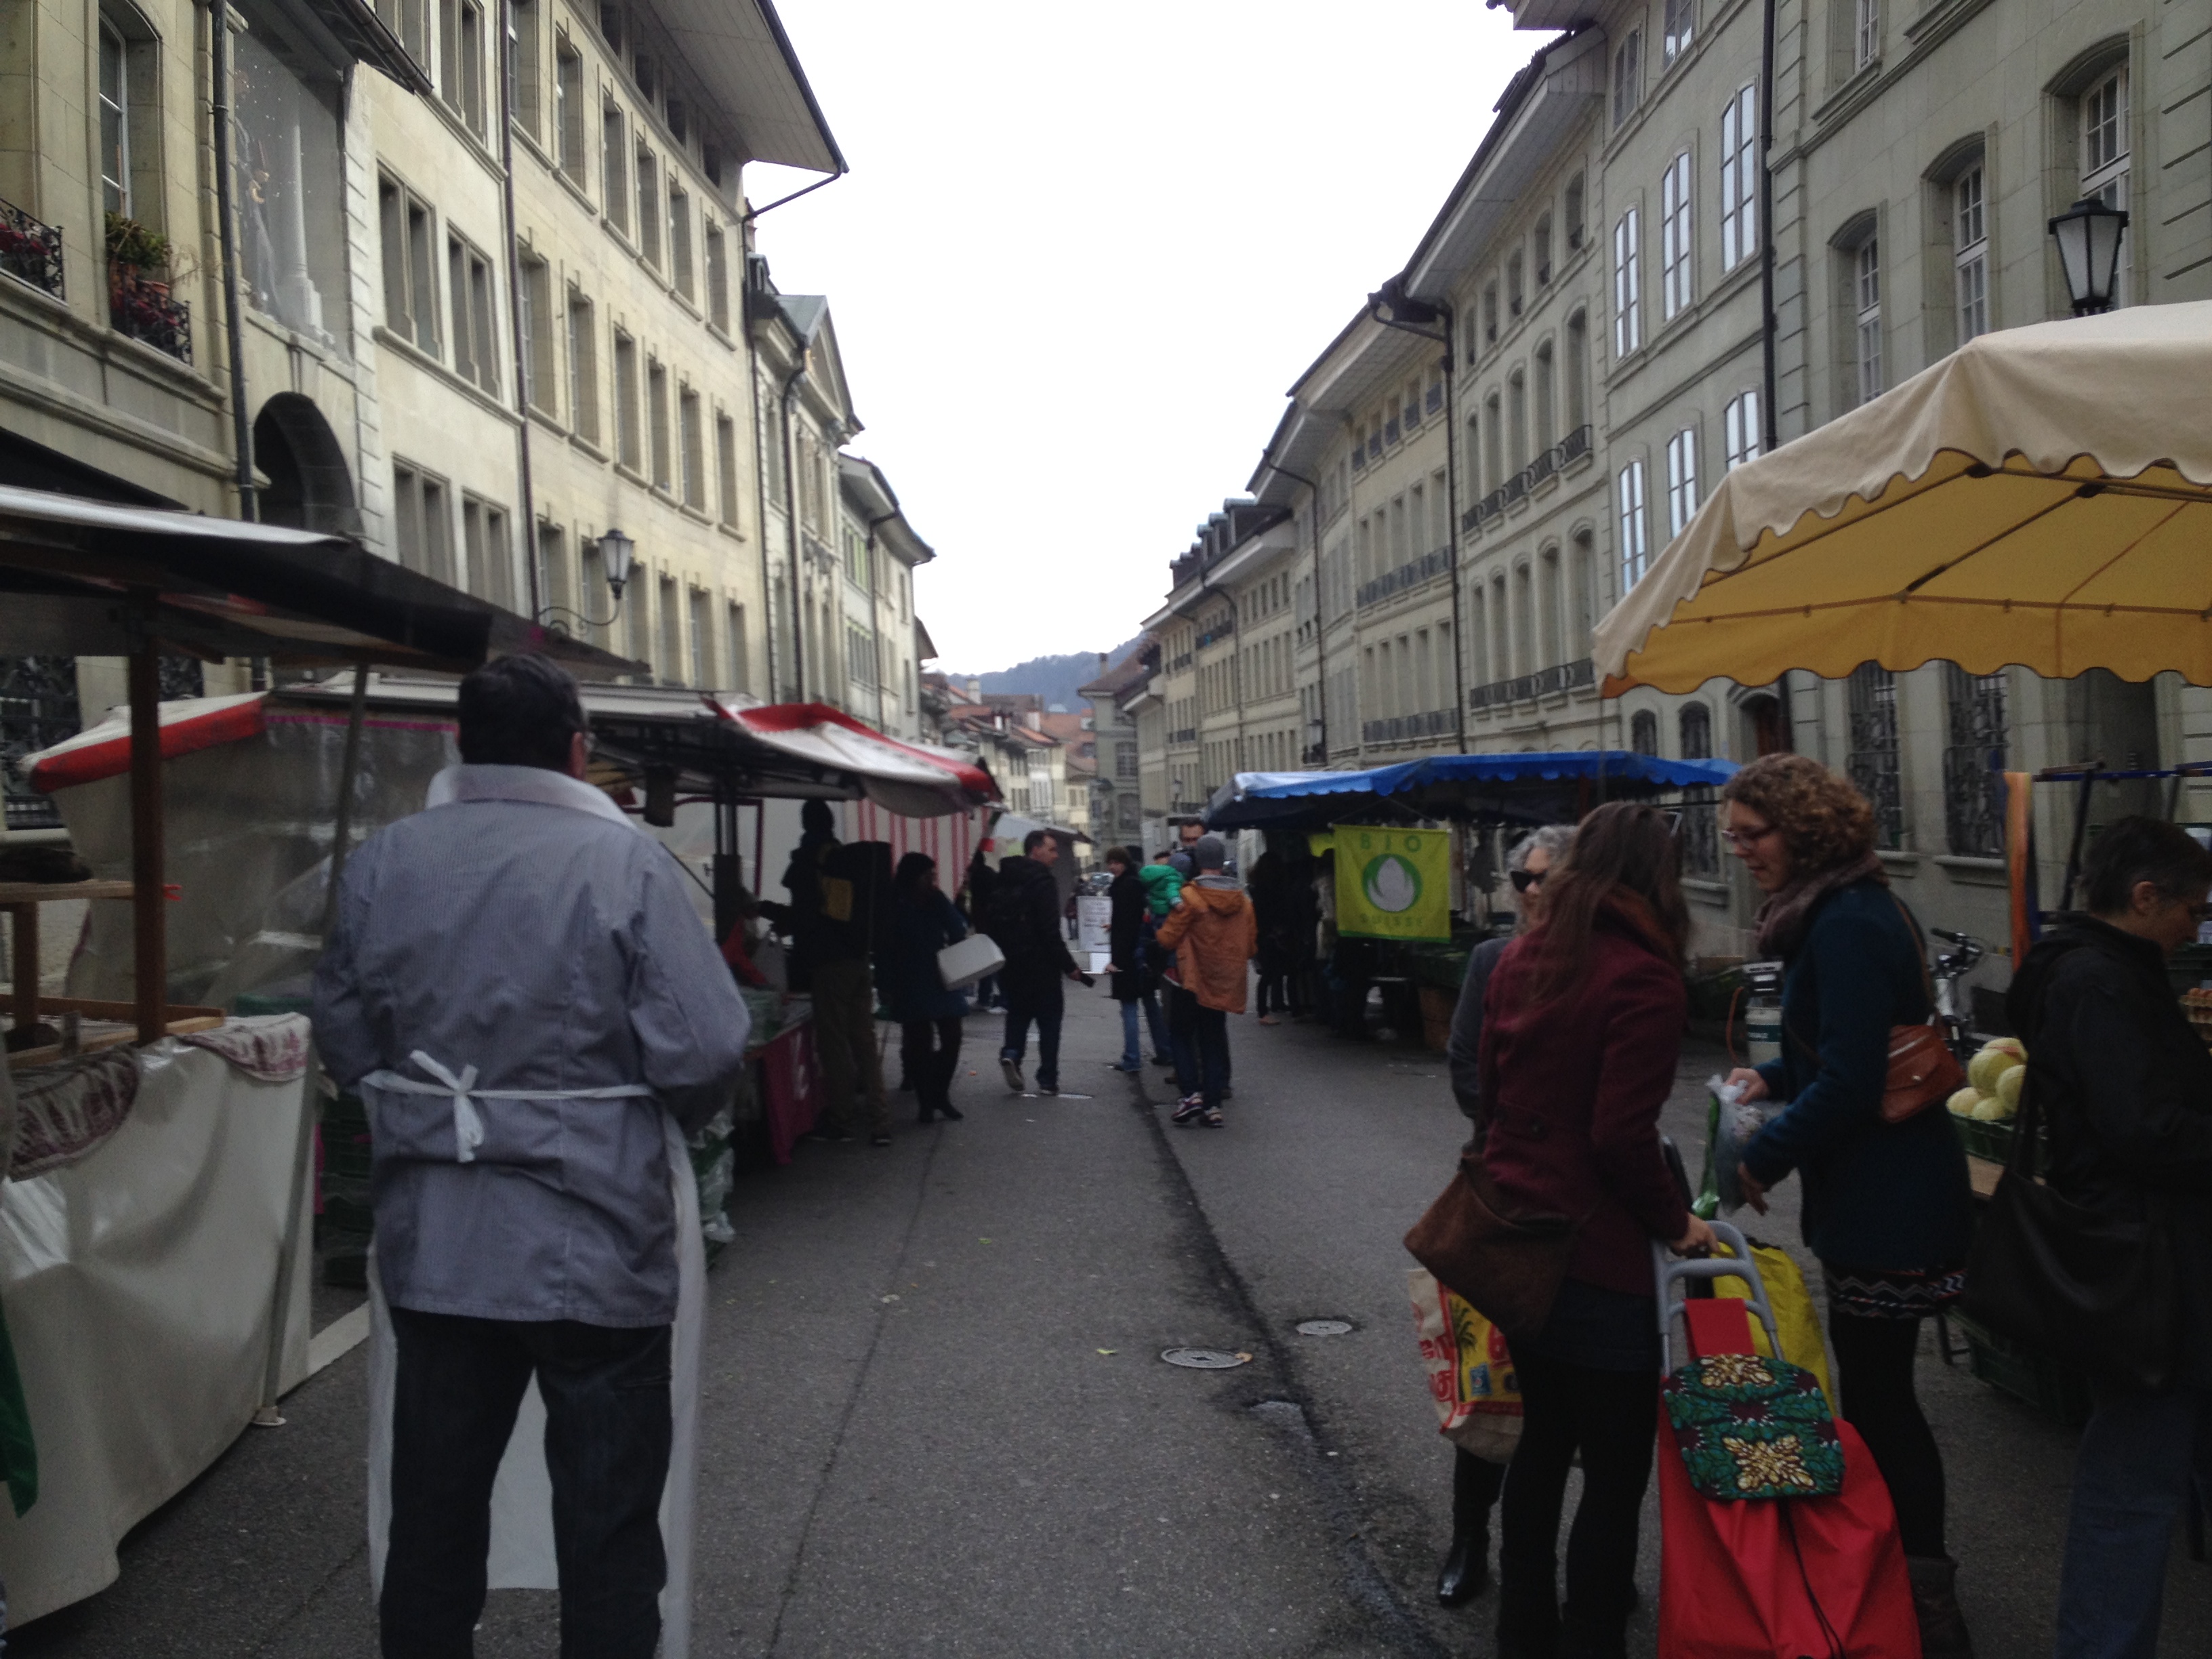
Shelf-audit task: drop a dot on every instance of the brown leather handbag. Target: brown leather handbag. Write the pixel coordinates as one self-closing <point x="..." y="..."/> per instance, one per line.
<point x="1923" y="1070"/>
<point x="1508" y="1266"/>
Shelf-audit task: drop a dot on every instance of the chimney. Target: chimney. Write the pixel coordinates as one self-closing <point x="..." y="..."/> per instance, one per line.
<point x="1101" y="662"/>
<point x="975" y="689"/>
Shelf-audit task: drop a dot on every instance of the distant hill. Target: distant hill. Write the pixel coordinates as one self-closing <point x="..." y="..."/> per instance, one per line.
<point x="1053" y="679"/>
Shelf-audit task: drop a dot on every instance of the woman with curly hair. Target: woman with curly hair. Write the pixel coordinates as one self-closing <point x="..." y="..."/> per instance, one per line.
<point x="1886" y="1205"/>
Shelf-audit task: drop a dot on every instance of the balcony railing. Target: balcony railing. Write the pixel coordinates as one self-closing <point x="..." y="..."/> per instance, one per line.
<point x="30" y="252"/>
<point x="144" y="311"/>
<point x="1409" y="728"/>
<point x="1556" y="459"/>
<point x="1579" y="676"/>
<point x="1406" y="576"/>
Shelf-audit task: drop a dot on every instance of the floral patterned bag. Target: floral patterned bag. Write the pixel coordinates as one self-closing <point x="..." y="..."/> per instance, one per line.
<point x="1751" y="1427"/>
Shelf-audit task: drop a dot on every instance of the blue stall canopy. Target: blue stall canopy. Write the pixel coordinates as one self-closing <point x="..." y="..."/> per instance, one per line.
<point x="1552" y="787"/>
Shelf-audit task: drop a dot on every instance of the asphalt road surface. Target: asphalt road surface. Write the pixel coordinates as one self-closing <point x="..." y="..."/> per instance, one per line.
<point x="936" y="1421"/>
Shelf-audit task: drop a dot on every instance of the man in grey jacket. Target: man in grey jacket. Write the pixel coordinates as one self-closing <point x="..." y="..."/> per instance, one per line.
<point x="519" y="988"/>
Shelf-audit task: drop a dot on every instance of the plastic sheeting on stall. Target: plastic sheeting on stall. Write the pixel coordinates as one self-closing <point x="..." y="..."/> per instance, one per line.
<point x="138" y="1283"/>
<point x="249" y="831"/>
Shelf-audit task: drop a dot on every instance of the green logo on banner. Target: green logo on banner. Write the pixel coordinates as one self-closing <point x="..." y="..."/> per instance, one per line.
<point x="1393" y="885"/>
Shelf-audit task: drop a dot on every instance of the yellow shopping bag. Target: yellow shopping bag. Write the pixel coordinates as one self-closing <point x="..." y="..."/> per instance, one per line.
<point x="1471" y="1380"/>
<point x="1792" y="1311"/>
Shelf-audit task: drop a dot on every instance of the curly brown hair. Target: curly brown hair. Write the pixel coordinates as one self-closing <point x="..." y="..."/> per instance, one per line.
<point x="1825" y="821"/>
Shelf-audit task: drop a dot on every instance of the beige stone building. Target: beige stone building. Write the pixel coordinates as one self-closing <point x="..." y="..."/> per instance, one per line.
<point x="1580" y="344"/>
<point x="1117" y="809"/>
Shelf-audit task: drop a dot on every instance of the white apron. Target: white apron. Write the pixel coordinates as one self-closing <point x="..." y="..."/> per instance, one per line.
<point x="522" y="1555"/>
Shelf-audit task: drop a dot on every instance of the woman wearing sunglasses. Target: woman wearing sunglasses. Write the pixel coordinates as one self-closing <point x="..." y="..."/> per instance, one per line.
<point x="1476" y="1480"/>
<point x="1887" y="1205"/>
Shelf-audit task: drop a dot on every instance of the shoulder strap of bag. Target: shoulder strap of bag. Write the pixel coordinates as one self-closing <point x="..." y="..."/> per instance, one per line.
<point x="1920" y="955"/>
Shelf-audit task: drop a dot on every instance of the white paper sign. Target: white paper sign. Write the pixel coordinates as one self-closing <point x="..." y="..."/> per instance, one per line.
<point x="1094" y="915"/>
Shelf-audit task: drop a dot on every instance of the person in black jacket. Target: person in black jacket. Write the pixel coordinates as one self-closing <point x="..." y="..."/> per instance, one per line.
<point x="1125" y="936"/>
<point x="923" y="922"/>
<point x="2125" y="1086"/>
<point x="830" y="958"/>
<point x="1887" y="1208"/>
<point x="982" y="883"/>
<point x="1025" y="921"/>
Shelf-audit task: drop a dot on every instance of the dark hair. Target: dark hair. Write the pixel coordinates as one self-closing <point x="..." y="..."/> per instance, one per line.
<point x="520" y="711"/>
<point x="1035" y="839"/>
<point x="913" y="877"/>
<point x="1623" y="857"/>
<point x="2134" y="849"/>
<point x="1124" y="856"/>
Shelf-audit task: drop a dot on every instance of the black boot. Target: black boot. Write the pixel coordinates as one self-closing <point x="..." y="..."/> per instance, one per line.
<point x="1465" y="1572"/>
<point x="1935" y="1605"/>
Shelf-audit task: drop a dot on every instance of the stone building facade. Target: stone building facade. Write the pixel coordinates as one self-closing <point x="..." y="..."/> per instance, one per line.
<point x="1579" y="346"/>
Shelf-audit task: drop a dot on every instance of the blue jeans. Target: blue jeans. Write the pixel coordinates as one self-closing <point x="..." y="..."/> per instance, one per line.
<point x="1161" y="1043"/>
<point x="458" y="1385"/>
<point x="2130" y="1479"/>
<point x="1201" y="1045"/>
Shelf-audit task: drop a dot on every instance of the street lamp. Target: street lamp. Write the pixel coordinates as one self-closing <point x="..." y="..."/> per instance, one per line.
<point x="615" y="551"/>
<point x="2088" y="238"/>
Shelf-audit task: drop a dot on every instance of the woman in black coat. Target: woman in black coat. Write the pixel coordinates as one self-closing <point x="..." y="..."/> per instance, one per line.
<point x="923" y="922"/>
<point x="1129" y="932"/>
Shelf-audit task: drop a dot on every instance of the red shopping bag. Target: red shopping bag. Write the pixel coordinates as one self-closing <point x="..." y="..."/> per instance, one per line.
<point x="1792" y="1578"/>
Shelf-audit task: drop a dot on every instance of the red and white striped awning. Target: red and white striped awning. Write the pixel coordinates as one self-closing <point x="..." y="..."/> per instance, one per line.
<point x="912" y="779"/>
<point x="188" y="724"/>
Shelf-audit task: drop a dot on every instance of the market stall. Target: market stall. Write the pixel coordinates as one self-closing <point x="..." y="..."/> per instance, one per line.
<point x="153" y="1222"/>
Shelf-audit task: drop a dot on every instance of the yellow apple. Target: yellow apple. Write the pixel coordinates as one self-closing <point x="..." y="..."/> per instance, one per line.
<point x="1962" y="1104"/>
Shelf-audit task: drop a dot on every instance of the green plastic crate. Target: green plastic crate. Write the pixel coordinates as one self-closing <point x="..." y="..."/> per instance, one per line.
<point x="2053" y="1388"/>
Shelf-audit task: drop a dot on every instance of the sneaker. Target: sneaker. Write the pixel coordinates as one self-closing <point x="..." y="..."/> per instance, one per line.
<point x="1012" y="1070"/>
<point x="1123" y="1066"/>
<point x="1212" y="1119"/>
<point x="1048" y="1088"/>
<point x="1187" y="1108"/>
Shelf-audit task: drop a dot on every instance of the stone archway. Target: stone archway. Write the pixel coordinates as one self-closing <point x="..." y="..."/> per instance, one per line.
<point x="310" y="486"/>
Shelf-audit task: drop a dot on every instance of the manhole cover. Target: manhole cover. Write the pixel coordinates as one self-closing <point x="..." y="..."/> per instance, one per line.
<point x="1325" y="1328"/>
<point x="1203" y="1359"/>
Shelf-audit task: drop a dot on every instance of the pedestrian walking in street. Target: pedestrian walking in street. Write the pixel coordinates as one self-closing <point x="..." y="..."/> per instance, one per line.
<point x="1129" y="928"/>
<point x="1475" y="1480"/>
<point x="1212" y="935"/>
<point x="830" y="930"/>
<point x="1581" y="1030"/>
<point x="2125" y="1084"/>
<point x="1887" y="1205"/>
<point x="519" y="986"/>
<point x="1264" y="886"/>
<point x="1024" y="920"/>
<point x="923" y="922"/>
<point x="982" y="882"/>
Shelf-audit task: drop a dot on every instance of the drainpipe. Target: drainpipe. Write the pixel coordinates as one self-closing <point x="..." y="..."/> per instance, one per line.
<point x="790" y="389"/>
<point x="759" y="462"/>
<point x="1771" y="420"/>
<point x="532" y="577"/>
<point x="1391" y="297"/>
<point x="226" y="213"/>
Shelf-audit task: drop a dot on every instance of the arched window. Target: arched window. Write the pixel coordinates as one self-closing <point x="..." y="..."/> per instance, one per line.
<point x="1696" y="725"/>
<point x="1644" y="732"/>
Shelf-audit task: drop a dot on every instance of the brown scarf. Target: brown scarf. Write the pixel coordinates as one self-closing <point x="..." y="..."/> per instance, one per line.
<point x="1782" y="920"/>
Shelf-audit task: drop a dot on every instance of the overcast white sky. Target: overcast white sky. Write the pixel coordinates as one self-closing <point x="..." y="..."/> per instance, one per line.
<point x="1084" y="250"/>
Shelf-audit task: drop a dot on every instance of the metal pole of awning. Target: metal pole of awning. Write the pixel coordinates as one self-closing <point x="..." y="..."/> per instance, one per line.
<point x="149" y="924"/>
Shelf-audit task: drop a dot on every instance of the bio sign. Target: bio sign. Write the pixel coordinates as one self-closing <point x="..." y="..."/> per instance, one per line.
<point x="1393" y="883"/>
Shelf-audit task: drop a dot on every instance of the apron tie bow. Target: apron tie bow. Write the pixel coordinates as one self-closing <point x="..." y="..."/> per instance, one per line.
<point x="468" y="1127"/>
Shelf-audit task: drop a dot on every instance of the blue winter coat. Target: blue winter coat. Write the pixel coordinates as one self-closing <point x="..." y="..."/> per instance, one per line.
<point x="1876" y="1195"/>
<point x="906" y="973"/>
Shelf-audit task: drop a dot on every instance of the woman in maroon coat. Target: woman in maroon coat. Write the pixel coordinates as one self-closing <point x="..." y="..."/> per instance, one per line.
<point x="1582" y="1027"/>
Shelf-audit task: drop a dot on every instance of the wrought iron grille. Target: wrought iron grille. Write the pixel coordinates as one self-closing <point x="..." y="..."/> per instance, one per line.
<point x="30" y="251"/>
<point x="1872" y="761"/>
<point x="144" y="311"/>
<point x="1427" y="568"/>
<point x="1577" y="675"/>
<point x="1974" y="764"/>
<point x="38" y="708"/>
<point x="1701" y="808"/>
